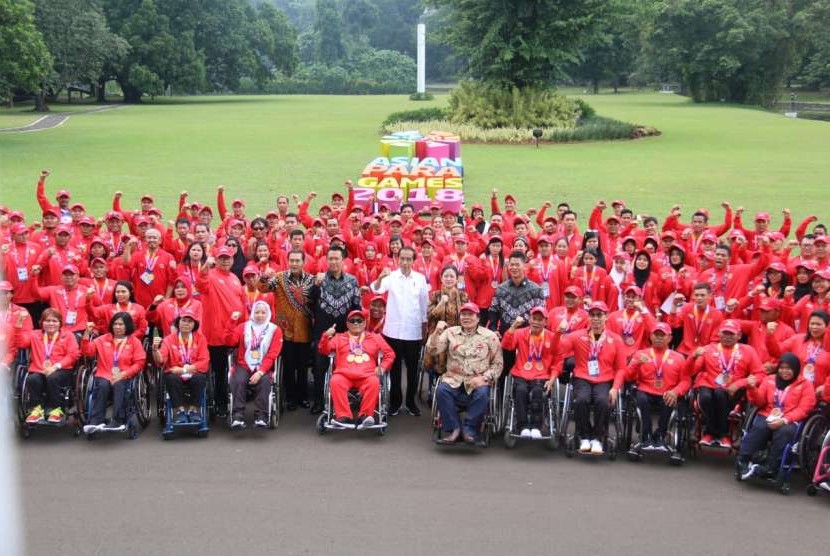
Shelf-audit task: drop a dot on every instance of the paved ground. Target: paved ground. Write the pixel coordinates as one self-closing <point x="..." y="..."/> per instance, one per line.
<point x="55" y="119"/>
<point x="293" y="492"/>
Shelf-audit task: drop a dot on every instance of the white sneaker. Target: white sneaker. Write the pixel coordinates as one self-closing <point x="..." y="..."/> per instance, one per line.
<point x="525" y="433"/>
<point x="237" y="425"/>
<point x="535" y="434"/>
<point x="366" y="423"/>
<point x="89" y="429"/>
<point x="596" y="448"/>
<point x="260" y="423"/>
<point x="585" y="445"/>
<point x="825" y="485"/>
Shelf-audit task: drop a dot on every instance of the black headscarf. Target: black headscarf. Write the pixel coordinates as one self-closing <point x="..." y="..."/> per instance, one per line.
<point x="792" y="361"/>
<point x="641" y="276"/>
<point x="239" y="260"/>
<point x="679" y="266"/>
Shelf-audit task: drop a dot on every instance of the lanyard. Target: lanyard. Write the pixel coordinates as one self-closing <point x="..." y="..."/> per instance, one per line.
<point x="256" y="340"/>
<point x="100" y="291"/>
<point x="459" y="264"/>
<point x="595" y="346"/>
<point x="66" y="298"/>
<point x="186" y="352"/>
<point x="780" y="396"/>
<point x="628" y="324"/>
<point x="813" y="352"/>
<point x="588" y="281"/>
<point x="546" y="269"/>
<point x="47" y="346"/>
<point x="356" y="345"/>
<point x="150" y="262"/>
<point x="16" y="257"/>
<point x="713" y="281"/>
<point x="118" y="347"/>
<point x="535" y="348"/>
<point x="495" y="267"/>
<point x="699" y="320"/>
<point x="728" y="367"/>
<point x="659" y="367"/>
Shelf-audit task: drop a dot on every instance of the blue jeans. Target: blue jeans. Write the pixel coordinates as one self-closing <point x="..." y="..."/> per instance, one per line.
<point x="476" y="404"/>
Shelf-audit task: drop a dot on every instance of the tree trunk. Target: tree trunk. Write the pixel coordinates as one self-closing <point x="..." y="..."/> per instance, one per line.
<point x="68" y="95"/>
<point x="101" y="89"/>
<point x="132" y="95"/>
<point x="596" y="86"/>
<point x="40" y="101"/>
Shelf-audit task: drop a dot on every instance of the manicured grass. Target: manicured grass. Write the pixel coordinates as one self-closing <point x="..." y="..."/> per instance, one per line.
<point x="261" y="146"/>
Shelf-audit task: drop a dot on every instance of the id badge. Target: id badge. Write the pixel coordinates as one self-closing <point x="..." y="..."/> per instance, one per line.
<point x="147" y="278"/>
<point x="809" y="373"/>
<point x="22" y="275"/>
<point x="721" y="379"/>
<point x="593" y="367"/>
<point x="545" y="290"/>
<point x="71" y="317"/>
<point x="720" y="303"/>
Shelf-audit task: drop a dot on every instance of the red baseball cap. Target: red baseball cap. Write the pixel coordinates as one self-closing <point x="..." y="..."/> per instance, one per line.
<point x="423" y="242"/>
<point x="63" y="229"/>
<point x="763" y="216"/>
<point x="188" y="313"/>
<point x="53" y="212"/>
<point x="460" y="239"/>
<point x="272" y="214"/>
<point x="574" y="290"/>
<point x="207" y="209"/>
<point x="337" y="195"/>
<point x="16" y="214"/>
<point x="250" y="269"/>
<point x="147" y="197"/>
<point x="776" y="236"/>
<point x="809" y="265"/>
<point x="633" y="288"/>
<point x="613" y="217"/>
<point x="544" y="239"/>
<point x="539" y="310"/>
<point x="224" y="252"/>
<point x="86" y="220"/>
<point x="669" y="234"/>
<point x="598" y="306"/>
<point x="435" y="205"/>
<point x="238" y="202"/>
<point x="769" y="304"/>
<point x="62" y="193"/>
<point x="777" y="266"/>
<point x="154" y="211"/>
<point x="616" y="202"/>
<point x="661" y="327"/>
<point x="519" y="220"/>
<point x="235" y="222"/>
<point x="735" y="234"/>
<point x="356" y="313"/>
<point x="730" y="326"/>
<point x="77" y="205"/>
<point x="469" y="306"/>
<point x="70" y="268"/>
<point x="622" y="255"/>
<point x="823" y="273"/>
<point x="509" y="197"/>
<point x="97" y="260"/>
<point x="19" y="229"/>
<point x="377" y="298"/>
<point x="112" y="215"/>
<point x="820" y="239"/>
<point x="708" y="236"/>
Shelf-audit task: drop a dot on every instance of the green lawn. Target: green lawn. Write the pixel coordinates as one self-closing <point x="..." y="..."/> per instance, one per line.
<point x="261" y="146"/>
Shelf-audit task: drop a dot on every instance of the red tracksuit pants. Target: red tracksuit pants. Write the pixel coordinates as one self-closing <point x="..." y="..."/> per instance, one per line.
<point x="345" y="379"/>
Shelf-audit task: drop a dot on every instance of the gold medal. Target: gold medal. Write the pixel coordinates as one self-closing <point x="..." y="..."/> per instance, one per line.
<point x="365" y="358"/>
<point x="116" y="370"/>
<point x="255" y="354"/>
<point x="539" y="366"/>
<point x="776" y="412"/>
<point x="724" y="378"/>
<point x="350" y="358"/>
<point x="809" y="372"/>
<point x="658" y="383"/>
<point x="528" y="366"/>
<point x="629" y="340"/>
<point x="47" y="363"/>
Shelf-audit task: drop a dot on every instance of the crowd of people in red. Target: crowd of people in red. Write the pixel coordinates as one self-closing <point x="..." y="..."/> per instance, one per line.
<point x="713" y="304"/>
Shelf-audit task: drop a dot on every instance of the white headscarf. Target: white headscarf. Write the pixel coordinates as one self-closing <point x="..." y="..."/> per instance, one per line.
<point x="264" y="331"/>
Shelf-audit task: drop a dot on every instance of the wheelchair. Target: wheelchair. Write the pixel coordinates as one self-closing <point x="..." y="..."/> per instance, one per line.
<point x="790" y="458"/>
<point x="550" y="417"/>
<point x="490" y="425"/>
<point x="618" y="417"/>
<point x="676" y="440"/>
<point x="73" y="405"/>
<point x="276" y="398"/>
<point x="136" y="389"/>
<point x="739" y="420"/>
<point x="207" y="411"/>
<point x="326" y="422"/>
<point x="425" y="375"/>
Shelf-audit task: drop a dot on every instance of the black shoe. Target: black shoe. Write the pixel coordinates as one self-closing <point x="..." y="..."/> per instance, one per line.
<point x="291" y="406"/>
<point x="394" y="411"/>
<point x="304" y="404"/>
<point x="220" y="414"/>
<point x="413" y="410"/>
<point x="316" y="409"/>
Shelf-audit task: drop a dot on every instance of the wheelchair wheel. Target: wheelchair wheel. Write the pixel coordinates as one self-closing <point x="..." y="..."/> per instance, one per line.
<point x="321" y="424"/>
<point x="809" y="447"/>
<point x="509" y="439"/>
<point x="158" y="373"/>
<point x="142" y="399"/>
<point x="84" y="375"/>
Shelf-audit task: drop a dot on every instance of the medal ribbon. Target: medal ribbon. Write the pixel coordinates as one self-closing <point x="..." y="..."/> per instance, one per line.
<point x="813" y="351"/>
<point x="186" y="349"/>
<point x="118" y="347"/>
<point x="47" y="346"/>
<point x="534" y="352"/>
<point x="659" y="367"/>
<point x="727" y="367"/>
<point x="595" y="346"/>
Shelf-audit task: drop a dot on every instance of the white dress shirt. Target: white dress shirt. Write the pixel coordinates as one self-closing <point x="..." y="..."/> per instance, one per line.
<point x="406" y="305"/>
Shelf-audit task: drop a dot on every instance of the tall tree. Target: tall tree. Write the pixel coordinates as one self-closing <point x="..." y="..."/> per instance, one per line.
<point x="520" y="43"/>
<point x="25" y="61"/>
<point x="328" y="31"/>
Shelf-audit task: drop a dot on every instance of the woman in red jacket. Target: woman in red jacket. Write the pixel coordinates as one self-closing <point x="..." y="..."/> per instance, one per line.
<point x="812" y="349"/>
<point x="258" y="344"/>
<point x="783" y="401"/>
<point x="164" y="312"/>
<point x="184" y="357"/>
<point x="123" y="301"/>
<point x="54" y="352"/>
<point x="120" y="358"/>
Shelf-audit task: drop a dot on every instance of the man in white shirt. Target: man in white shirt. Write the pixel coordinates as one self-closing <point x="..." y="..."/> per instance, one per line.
<point x="406" y="318"/>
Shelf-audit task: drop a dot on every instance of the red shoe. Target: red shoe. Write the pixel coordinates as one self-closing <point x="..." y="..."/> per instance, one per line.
<point x="707" y="440"/>
<point x="726" y="442"/>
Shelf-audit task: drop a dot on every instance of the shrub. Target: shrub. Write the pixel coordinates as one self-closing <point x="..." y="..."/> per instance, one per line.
<point x="488" y="107"/>
<point x="585" y="110"/>
<point x="421" y="96"/>
<point x="420" y="115"/>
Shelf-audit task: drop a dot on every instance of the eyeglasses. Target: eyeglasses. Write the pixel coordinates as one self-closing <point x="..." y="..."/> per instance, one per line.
<point x="258" y="228"/>
<point x="355" y="321"/>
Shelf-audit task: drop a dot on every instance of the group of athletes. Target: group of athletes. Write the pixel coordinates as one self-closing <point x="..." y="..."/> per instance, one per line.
<point x="717" y="314"/>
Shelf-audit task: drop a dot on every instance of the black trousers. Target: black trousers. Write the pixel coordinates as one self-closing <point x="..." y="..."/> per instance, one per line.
<point x="295" y="370"/>
<point x="239" y="389"/>
<point x="509" y="358"/>
<point x="715" y="404"/>
<point x="177" y="388"/>
<point x="219" y="366"/>
<point x="528" y="393"/>
<point x="406" y="353"/>
<point x="757" y="437"/>
<point x="645" y="402"/>
<point x="587" y="394"/>
<point x="101" y="393"/>
<point x="49" y="389"/>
